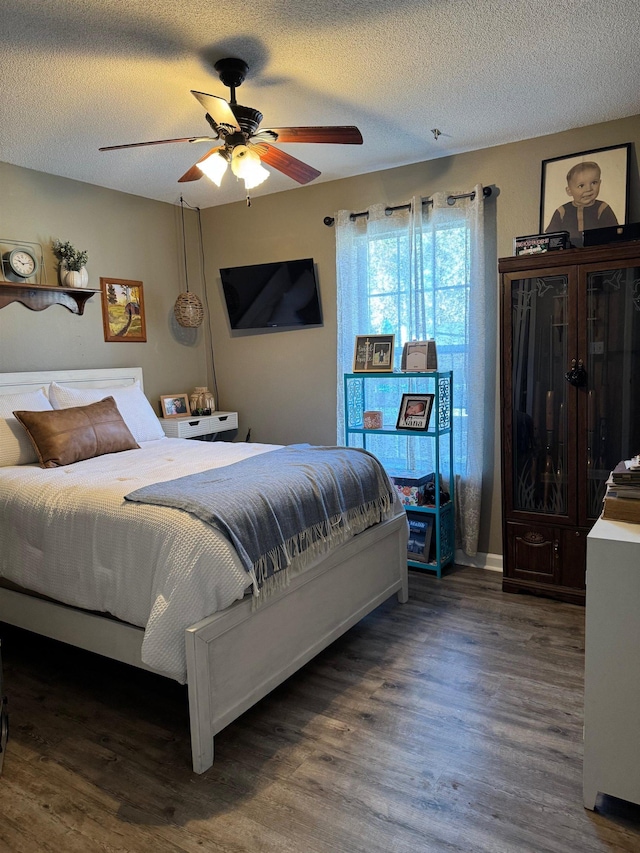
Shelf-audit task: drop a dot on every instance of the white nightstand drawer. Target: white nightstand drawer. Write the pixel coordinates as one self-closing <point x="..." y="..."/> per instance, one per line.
<point x="195" y="425"/>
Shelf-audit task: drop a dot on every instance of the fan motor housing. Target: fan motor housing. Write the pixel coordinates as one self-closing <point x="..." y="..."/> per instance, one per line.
<point x="231" y="71"/>
<point x="248" y="118"/>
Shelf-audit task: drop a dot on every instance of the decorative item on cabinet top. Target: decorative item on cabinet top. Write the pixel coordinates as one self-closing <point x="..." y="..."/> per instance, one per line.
<point x="22" y="262"/>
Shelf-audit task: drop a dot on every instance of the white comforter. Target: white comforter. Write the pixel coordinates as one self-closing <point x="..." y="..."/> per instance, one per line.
<point x="69" y="534"/>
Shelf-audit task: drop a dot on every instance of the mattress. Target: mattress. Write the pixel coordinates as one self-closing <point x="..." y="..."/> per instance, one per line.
<point x="67" y="533"/>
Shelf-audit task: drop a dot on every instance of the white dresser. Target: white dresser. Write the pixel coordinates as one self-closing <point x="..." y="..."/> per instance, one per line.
<point x="194" y="426"/>
<point x="612" y="663"/>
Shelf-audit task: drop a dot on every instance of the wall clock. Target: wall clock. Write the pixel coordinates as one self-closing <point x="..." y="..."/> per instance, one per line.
<point x="19" y="264"/>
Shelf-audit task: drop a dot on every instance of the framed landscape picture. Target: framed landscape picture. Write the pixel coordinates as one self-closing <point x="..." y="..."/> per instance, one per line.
<point x="586" y="190"/>
<point x="123" y="310"/>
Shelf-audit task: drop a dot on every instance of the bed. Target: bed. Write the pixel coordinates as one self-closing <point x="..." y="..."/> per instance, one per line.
<point x="229" y="651"/>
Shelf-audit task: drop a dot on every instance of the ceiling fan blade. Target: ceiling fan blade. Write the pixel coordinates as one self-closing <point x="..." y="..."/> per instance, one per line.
<point x="218" y="109"/>
<point x="288" y="165"/>
<point x="346" y="135"/>
<point x="158" y="142"/>
<point x="194" y="173"/>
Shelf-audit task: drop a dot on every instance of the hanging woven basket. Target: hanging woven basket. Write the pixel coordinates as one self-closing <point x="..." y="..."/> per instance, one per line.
<point x="188" y="310"/>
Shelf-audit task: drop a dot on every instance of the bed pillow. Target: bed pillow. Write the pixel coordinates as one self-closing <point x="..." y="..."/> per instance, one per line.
<point x="15" y="447"/>
<point x="70" y="435"/>
<point x="134" y="407"/>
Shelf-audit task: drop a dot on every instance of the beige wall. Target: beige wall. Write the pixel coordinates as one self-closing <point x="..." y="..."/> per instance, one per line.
<point x="127" y="237"/>
<point x="283" y="384"/>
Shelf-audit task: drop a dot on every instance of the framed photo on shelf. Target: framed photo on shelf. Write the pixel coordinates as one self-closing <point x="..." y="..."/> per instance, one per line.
<point x="415" y="411"/>
<point x="420" y="535"/>
<point x="373" y="354"/>
<point x="123" y="310"/>
<point x="586" y="190"/>
<point x="175" y="405"/>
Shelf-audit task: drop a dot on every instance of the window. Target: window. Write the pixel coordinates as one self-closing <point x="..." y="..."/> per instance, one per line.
<point x="419" y="274"/>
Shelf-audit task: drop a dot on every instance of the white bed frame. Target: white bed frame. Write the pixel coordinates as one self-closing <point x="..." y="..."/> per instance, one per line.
<point x="236" y="656"/>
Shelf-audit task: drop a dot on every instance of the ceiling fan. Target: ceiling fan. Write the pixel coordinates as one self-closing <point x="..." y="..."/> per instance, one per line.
<point x="244" y="147"/>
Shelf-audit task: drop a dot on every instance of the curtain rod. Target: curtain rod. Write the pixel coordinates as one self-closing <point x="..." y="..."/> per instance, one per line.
<point x="451" y="199"/>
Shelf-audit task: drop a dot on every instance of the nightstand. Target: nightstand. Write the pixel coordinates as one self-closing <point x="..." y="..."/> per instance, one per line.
<point x="196" y="426"/>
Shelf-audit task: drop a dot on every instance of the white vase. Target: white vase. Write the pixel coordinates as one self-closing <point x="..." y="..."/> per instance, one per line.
<point x="76" y="278"/>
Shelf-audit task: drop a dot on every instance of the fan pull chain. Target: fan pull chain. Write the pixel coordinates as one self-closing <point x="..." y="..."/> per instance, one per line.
<point x="248" y="201"/>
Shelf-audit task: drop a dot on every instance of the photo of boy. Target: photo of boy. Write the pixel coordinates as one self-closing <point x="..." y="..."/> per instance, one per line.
<point x="585" y="210"/>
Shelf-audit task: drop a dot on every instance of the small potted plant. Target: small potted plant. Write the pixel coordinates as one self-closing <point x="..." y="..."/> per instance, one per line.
<point x="72" y="264"/>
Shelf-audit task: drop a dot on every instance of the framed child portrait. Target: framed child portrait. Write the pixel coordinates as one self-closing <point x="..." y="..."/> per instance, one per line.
<point x="415" y="411"/>
<point x="373" y="354"/>
<point x="586" y="190"/>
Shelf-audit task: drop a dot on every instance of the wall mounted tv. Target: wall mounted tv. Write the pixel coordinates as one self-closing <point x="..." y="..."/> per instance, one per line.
<point x="281" y="295"/>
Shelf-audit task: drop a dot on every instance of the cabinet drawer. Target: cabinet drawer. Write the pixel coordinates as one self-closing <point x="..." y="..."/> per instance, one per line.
<point x="546" y="554"/>
<point x="196" y="426"/>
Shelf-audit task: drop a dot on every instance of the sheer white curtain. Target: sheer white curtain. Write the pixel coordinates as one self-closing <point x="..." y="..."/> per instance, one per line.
<point x="419" y="273"/>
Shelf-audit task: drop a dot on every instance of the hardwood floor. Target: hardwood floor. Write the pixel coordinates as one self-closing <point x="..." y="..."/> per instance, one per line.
<point x="452" y="723"/>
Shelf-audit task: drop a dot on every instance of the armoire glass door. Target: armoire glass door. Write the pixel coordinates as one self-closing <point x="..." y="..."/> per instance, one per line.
<point x="540" y="336"/>
<point x="613" y="370"/>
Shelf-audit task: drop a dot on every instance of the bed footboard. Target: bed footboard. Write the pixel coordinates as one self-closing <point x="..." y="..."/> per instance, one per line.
<point x="236" y="657"/>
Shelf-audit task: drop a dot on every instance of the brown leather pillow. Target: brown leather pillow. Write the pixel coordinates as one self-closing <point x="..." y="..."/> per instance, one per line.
<point x="64" y="436"/>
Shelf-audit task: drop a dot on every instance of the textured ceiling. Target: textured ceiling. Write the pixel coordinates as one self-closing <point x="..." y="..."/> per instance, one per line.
<point x="80" y="74"/>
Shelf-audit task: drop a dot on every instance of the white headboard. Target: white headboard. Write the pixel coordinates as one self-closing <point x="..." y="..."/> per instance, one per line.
<point x="99" y="377"/>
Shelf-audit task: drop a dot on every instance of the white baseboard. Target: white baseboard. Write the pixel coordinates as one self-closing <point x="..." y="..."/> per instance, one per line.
<point x="493" y="562"/>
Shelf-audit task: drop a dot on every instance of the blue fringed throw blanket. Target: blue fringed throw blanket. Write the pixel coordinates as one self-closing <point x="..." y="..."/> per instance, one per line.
<point x="295" y="502"/>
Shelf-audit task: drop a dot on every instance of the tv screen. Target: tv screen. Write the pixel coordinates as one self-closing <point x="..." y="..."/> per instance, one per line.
<point x="272" y="296"/>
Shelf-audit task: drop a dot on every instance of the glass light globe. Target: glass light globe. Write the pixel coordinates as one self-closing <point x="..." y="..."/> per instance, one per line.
<point x="214" y="167"/>
<point x="246" y="164"/>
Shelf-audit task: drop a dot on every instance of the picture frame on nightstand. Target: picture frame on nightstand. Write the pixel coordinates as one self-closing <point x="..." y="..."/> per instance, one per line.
<point x="175" y="406"/>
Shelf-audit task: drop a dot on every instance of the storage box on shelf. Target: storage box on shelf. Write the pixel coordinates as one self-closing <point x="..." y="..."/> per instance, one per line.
<point x="416" y="460"/>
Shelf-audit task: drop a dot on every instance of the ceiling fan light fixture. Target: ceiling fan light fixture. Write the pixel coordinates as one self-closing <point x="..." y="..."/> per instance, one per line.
<point x="246" y="164"/>
<point x="214" y="167"/>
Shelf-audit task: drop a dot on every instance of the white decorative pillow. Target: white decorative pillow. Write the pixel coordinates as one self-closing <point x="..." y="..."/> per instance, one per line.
<point x="134" y="407"/>
<point x="15" y="446"/>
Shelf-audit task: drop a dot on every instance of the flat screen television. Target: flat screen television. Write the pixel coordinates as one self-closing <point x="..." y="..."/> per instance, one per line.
<point x="281" y="295"/>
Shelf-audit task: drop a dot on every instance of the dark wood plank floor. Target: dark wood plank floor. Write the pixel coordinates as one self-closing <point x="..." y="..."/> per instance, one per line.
<point x="452" y="723"/>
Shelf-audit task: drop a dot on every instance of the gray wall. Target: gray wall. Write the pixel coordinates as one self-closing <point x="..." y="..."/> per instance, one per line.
<point x="283" y="384"/>
<point x="128" y="238"/>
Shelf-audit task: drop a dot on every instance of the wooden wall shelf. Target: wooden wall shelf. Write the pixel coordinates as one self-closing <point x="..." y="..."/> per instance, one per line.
<point x="38" y="297"/>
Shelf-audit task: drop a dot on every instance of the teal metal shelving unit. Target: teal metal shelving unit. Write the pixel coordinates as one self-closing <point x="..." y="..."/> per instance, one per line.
<point x="383" y="392"/>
